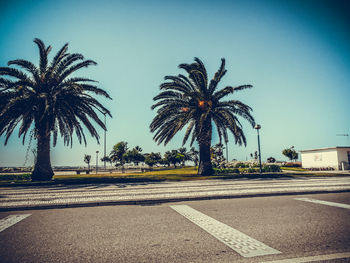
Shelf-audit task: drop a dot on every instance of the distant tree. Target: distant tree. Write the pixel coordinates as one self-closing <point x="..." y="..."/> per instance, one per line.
<point x="138" y="148"/>
<point x="271" y="160"/>
<point x="186" y="155"/>
<point x="87" y="159"/>
<point x="254" y="156"/>
<point x="164" y="161"/>
<point x="106" y="159"/>
<point x="134" y="156"/>
<point x="173" y="157"/>
<point x="152" y="158"/>
<point x="194" y="156"/>
<point x="290" y="153"/>
<point x="117" y="155"/>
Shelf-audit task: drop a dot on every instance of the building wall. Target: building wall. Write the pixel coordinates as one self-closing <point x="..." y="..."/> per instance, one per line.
<point x="320" y="158"/>
<point x="343" y="157"/>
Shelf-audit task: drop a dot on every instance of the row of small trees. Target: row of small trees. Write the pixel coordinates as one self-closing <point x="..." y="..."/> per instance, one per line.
<point x="121" y="154"/>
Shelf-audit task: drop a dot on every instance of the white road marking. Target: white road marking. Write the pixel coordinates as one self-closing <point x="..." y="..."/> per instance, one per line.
<point x="323" y="202"/>
<point x="238" y="241"/>
<point x="311" y="259"/>
<point x="11" y="220"/>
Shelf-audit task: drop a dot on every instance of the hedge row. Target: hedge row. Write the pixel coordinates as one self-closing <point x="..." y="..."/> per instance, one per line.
<point x="266" y="169"/>
<point x="9" y="177"/>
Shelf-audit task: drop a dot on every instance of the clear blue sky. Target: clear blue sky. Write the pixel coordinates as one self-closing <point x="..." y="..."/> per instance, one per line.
<point x="296" y="54"/>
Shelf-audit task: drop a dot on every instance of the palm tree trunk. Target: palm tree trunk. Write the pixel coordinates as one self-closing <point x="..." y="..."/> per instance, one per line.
<point x="205" y="168"/>
<point x="42" y="168"/>
<point x="204" y="140"/>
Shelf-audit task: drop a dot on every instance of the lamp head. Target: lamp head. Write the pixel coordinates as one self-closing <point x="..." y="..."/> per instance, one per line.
<point x="257" y="126"/>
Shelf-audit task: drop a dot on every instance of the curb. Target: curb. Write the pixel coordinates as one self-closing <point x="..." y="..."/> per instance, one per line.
<point x="164" y="200"/>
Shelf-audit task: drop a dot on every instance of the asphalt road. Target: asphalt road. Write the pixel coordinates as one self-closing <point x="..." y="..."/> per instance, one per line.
<point x="158" y="233"/>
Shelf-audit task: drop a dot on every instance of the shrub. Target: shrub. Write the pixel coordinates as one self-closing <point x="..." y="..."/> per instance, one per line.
<point x="225" y="170"/>
<point x="241" y="165"/>
<point x="253" y="164"/>
<point x="271" y="168"/>
<point x="250" y="170"/>
<point x="271" y="160"/>
<point x="9" y="177"/>
<point x="321" y="169"/>
<point x="292" y="164"/>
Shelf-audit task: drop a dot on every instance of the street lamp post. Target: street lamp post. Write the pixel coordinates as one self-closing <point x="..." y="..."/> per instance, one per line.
<point x="96" y="161"/>
<point x="258" y="127"/>
<point x="104" y="143"/>
<point x="104" y="156"/>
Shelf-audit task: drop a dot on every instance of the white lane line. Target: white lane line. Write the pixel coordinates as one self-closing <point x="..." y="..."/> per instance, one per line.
<point x="238" y="241"/>
<point x="11" y="220"/>
<point x="311" y="259"/>
<point x="323" y="202"/>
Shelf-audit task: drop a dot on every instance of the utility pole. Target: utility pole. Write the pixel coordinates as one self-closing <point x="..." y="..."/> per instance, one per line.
<point x="96" y="161"/>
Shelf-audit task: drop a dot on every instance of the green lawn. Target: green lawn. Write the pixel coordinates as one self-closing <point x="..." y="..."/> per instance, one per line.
<point x="298" y="169"/>
<point x="171" y="174"/>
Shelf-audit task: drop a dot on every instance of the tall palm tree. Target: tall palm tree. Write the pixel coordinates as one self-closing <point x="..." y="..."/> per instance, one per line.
<point x="195" y="102"/>
<point x="48" y="100"/>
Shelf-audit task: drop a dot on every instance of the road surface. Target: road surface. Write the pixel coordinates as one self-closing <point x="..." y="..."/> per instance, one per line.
<point x="293" y="228"/>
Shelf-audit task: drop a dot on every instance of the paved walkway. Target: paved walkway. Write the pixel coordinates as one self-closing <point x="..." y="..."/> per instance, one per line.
<point x="60" y="196"/>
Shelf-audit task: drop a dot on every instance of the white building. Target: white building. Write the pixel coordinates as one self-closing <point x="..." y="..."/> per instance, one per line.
<point x="337" y="158"/>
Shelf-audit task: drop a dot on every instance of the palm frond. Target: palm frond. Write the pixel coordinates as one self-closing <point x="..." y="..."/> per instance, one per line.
<point x="49" y="100"/>
<point x="228" y="90"/>
<point x="217" y="77"/>
<point x="76" y="67"/>
<point x="43" y="52"/>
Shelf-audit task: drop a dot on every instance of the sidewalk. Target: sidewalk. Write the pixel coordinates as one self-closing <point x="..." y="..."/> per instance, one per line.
<point x="62" y="196"/>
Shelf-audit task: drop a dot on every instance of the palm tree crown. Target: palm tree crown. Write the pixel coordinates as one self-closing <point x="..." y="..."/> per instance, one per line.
<point x="196" y="102"/>
<point x="52" y="99"/>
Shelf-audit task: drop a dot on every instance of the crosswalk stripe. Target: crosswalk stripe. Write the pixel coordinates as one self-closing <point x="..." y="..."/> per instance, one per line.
<point x="238" y="241"/>
<point x="323" y="202"/>
<point x="311" y="259"/>
<point x="11" y="220"/>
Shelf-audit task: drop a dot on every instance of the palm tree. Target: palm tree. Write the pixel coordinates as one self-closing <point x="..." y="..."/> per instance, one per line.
<point x="186" y="155"/>
<point x="194" y="102"/>
<point x="118" y="154"/>
<point x="194" y="155"/>
<point x="48" y="100"/>
<point x="87" y="159"/>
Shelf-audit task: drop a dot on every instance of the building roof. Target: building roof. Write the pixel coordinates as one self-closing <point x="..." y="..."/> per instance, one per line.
<point x="328" y="148"/>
